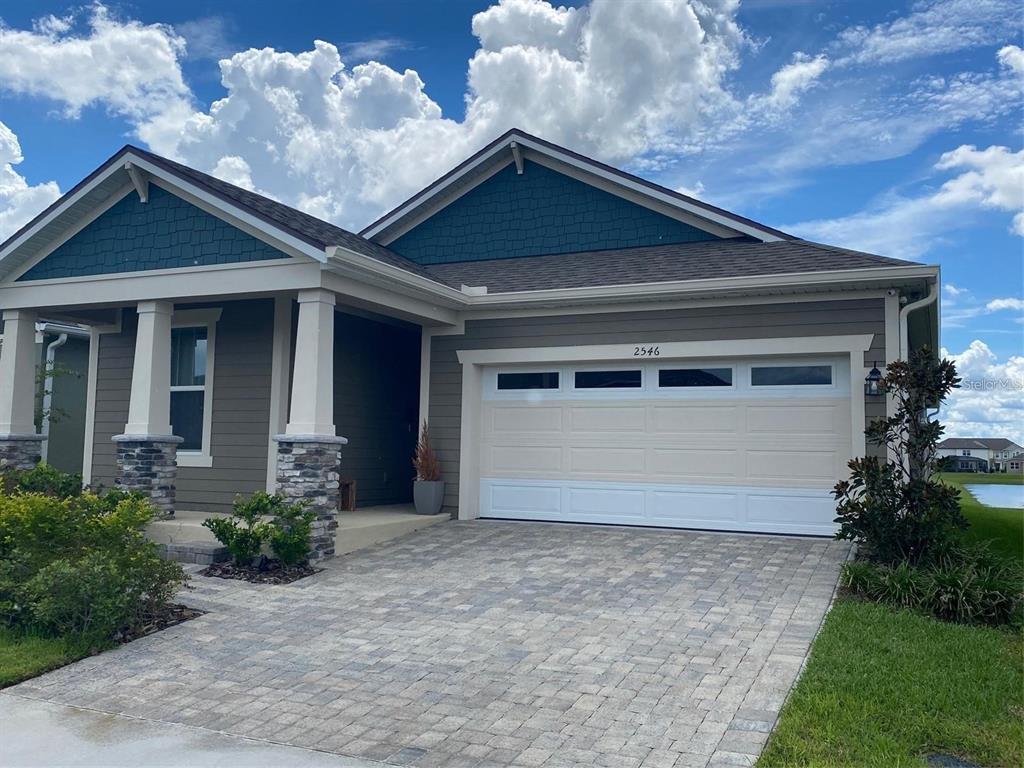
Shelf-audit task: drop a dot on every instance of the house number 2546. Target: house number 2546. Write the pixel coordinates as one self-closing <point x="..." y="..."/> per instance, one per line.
<point x="646" y="351"/>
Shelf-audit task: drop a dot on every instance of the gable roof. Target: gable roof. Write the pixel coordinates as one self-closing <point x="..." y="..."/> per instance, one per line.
<point x="981" y="443"/>
<point x="660" y="263"/>
<point x="502" y="151"/>
<point x="770" y="253"/>
<point x="314" y="232"/>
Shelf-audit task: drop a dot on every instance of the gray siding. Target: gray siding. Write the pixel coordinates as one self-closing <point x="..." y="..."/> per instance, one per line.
<point x="376" y="399"/>
<point x="241" y="406"/>
<point x="831" y="318"/>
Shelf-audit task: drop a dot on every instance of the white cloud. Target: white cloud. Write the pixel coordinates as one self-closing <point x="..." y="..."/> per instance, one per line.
<point x="1012" y="57"/>
<point x="793" y="79"/>
<point x="19" y="200"/>
<point x="990" y="401"/>
<point x="997" y="305"/>
<point x="995" y="179"/>
<point x="205" y="38"/>
<point x="128" y="67"/>
<point x="951" y="291"/>
<point x="909" y="227"/>
<point x="375" y="49"/>
<point x="936" y="27"/>
<point x="348" y="143"/>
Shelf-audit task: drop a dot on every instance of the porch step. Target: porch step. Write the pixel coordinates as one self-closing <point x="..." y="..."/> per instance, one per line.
<point x="196" y="552"/>
<point x="184" y="536"/>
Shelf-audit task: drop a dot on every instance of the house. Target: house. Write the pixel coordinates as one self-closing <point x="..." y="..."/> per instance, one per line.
<point x="1015" y="464"/>
<point x="586" y="346"/>
<point x="996" y="451"/>
<point x="964" y="464"/>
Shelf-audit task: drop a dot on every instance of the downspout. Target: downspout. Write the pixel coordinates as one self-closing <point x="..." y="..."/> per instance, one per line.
<point x="51" y="352"/>
<point x="933" y="294"/>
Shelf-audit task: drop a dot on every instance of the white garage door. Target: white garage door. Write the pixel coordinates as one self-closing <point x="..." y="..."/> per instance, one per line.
<point x="737" y="444"/>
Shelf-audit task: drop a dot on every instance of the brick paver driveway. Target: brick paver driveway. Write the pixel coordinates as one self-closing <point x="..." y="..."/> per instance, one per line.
<point x="491" y="643"/>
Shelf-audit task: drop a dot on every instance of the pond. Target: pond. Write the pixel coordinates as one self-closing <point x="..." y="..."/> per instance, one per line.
<point x="1006" y="496"/>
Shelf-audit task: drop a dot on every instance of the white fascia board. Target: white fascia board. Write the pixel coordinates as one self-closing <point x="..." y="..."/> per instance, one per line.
<point x="696" y="210"/>
<point x="417" y="201"/>
<point x="613" y="293"/>
<point x="358" y="264"/>
<point x="363" y="267"/>
<point x="614" y="178"/>
<point x="49" y="217"/>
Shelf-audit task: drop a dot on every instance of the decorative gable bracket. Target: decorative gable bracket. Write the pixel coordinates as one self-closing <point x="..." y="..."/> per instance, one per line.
<point x="140" y="180"/>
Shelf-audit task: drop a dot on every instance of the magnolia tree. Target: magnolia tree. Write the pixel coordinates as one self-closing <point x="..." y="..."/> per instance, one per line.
<point x="896" y="508"/>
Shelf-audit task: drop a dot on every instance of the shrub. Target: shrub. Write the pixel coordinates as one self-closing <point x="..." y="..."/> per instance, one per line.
<point x="895" y="510"/>
<point x="289" y="536"/>
<point x="81" y="564"/>
<point x="425" y="461"/>
<point x="965" y="585"/>
<point x="245" y="532"/>
<point x="42" y="478"/>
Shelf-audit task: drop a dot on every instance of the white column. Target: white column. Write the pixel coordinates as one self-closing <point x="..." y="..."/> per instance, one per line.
<point x="149" y="411"/>
<point x="18" y="374"/>
<point x="281" y="355"/>
<point x="312" y="397"/>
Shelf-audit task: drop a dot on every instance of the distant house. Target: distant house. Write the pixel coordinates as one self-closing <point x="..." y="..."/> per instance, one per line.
<point x="1015" y="465"/>
<point x="996" y="451"/>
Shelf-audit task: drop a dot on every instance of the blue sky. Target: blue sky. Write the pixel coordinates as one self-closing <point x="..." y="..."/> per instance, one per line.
<point x="889" y="127"/>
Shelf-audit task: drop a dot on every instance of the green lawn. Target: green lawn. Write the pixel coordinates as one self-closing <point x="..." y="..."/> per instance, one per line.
<point x="884" y="687"/>
<point x="24" y="656"/>
<point x="1003" y="527"/>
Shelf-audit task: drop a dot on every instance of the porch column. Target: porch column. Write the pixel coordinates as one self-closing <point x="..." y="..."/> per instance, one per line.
<point x="147" y="451"/>
<point x="20" y="445"/>
<point x="309" y="451"/>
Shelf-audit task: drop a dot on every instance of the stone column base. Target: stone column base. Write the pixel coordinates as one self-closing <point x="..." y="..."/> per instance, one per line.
<point x="307" y="470"/>
<point x="149" y="464"/>
<point x="20" y="451"/>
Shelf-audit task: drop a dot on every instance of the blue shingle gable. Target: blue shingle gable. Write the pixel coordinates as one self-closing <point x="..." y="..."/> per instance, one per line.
<point x="164" y="233"/>
<point x="539" y="212"/>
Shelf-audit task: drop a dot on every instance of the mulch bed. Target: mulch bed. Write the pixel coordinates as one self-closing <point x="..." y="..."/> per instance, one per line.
<point x="171" y="614"/>
<point x="267" y="572"/>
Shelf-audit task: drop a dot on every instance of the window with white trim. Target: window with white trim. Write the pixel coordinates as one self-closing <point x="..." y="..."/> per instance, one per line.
<point x="965" y="452"/>
<point x="193" y="336"/>
<point x="188" y="385"/>
<point x="694" y="377"/>
<point x="527" y="380"/>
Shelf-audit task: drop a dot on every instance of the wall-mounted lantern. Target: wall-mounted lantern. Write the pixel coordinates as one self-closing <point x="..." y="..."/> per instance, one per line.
<point x="873" y="382"/>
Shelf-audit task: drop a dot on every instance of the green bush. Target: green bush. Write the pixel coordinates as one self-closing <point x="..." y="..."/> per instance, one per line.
<point x="289" y="537"/>
<point x="897" y="510"/>
<point x="247" y="530"/>
<point x="42" y="478"/>
<point x="965" y="585"/>
<point x="80" y="565"/>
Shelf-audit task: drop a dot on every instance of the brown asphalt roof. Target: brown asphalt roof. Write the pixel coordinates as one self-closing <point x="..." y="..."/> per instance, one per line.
<point x="734" y="257"/>
<point x="738" y="257"/>
<point x="990" y="443"/>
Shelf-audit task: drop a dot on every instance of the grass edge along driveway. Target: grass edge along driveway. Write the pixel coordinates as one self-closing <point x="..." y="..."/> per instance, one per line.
<point x="885" y="687"/>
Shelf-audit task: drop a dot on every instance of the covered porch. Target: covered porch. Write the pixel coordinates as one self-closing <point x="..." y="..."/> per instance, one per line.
<point x="230" y="350"/>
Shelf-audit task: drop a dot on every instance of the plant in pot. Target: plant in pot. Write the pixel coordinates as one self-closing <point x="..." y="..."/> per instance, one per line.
<point x="428" y="490"/>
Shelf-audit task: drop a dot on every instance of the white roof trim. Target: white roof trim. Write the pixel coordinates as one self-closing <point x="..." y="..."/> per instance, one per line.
<point x="518" y="141"/>
<point x="131" y="160"/>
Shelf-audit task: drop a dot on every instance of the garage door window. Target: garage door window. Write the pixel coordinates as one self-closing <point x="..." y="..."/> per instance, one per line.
<point x="694" y="377"/>
<point x="533" y="380"/>
<point x="791" y="376"/>
<point x="629" y="379"/>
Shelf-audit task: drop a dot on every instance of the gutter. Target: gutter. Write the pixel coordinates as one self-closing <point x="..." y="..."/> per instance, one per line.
<point x="933" y="295"/>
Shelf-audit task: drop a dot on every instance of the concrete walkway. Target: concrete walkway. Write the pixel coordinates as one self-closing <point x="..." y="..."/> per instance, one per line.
<point x="488" y="644"/>
<point x="36" y="734"/>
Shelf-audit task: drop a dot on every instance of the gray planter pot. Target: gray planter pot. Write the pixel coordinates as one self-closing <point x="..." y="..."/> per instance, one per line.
<point x="428" y="496"/>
